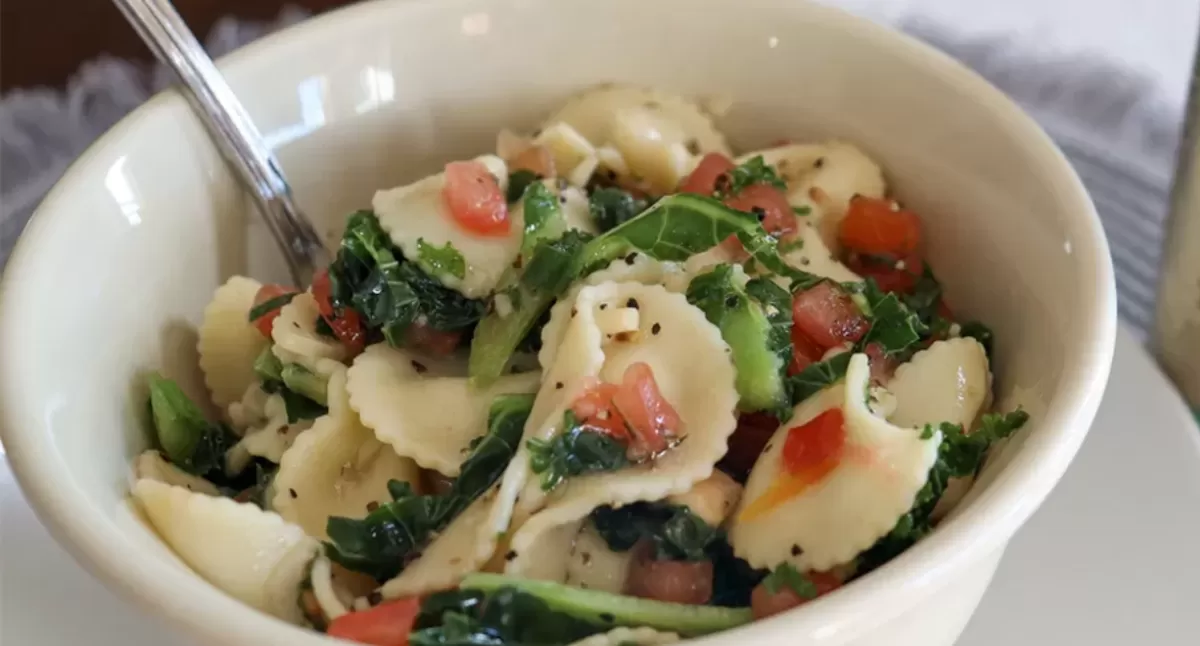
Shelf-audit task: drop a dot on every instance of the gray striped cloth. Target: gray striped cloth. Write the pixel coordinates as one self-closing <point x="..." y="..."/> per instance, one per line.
<point x="1114" y="126"/>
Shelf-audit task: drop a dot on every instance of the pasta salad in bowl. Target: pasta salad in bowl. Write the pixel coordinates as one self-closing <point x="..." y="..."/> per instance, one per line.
<point x="778" y="337"/>
<point x="611" y="383"/>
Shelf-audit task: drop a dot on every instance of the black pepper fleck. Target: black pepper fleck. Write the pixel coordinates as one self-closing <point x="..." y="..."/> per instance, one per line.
<point x="296" y="324"/>
<point x="655" y="329"/>
<point x="603" y="306"/>
<point x="375" y="598"/>
<point x="293" y="494"/>
<point x="372" y="506"/>
<point x="419" y="367"/>
<point x="819" y="163"/>
<point x="759" y="212"/>
<point x="693" y="146"/>
<point x="612" y="174"/>
<point x="796" y="551"/>
<point x="283" y="429"/>
<point x="562" y="199"/>
<point x="731" y="301"/>
<point x="632" y="303"/>
<point x="587" y="557"/>
<point x="510" y="555"/>
<point x="574" y="312"/>
<point x="629" y="260"/>
<point x="558" y="385"/>
<point x="805" y="261"/>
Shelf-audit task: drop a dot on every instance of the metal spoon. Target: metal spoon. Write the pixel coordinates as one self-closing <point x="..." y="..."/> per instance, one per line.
<point x="164" y="31"/>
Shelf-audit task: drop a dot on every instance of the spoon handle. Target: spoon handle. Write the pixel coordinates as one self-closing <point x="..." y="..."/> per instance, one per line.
<point x="239" y="141"/>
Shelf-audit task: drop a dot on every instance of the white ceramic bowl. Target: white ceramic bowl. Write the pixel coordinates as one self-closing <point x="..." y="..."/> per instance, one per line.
<point x="111" y="276"/>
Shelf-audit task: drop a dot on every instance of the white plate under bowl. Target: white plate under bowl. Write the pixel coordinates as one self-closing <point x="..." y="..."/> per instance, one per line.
<point x="1094" y="566"/>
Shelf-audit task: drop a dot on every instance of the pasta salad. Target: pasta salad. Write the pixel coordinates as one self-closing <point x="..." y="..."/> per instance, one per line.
<point x="609" y="385"/>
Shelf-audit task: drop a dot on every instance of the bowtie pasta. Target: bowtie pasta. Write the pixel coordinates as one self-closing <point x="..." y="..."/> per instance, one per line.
<point x="609" y="385"/>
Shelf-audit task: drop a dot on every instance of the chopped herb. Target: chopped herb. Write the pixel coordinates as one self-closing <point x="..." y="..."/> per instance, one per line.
<point x="270" y="305"/>
<point x="754" y="171"/>
<point x="787" y="576"/>
<point x="575" y="451"/>
<point x="802" y="211"/>
<point x="441" y="261"/>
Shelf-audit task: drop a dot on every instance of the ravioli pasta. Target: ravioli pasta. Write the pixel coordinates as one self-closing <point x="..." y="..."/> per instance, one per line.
<point x="609" y="386"/>
<point x="432" y="420"/>
<point x="691" y="364"/>
<point x="336" y="468"/>
<point x="229" y="342"/>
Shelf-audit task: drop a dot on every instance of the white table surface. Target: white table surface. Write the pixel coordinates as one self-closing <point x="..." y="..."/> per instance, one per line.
<point x="1110" y="560"/>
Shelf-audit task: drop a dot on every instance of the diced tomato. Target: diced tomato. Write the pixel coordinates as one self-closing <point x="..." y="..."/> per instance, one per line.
<point x="816" y="445"/>
<point x="882" y="366"/>
<point x="689" y="582"/>
<point x="346" y="325"/>
<point x="431" y="340"/>
<point x="811" y="451"/>
<point x="474" y="199"/>
<point x="753" y="432"/>
<point x="387" y="624"/>
<point x="652" y="420"/>
<point x="890" y="275"/>
<point x="827" y="316"/>
<point x="764" y="604"/>
<point x="771" y="207"/>
<point x="804" y="351"/>
<point x="595" y="410"/>
<point x="266" y="293"/>
<point x="879" y="227"/>
<point x="703" y="179"/>
<point x="535" y="159"/>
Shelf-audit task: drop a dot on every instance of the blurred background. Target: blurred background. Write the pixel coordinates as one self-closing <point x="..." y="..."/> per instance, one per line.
<point x="1107" y="78"/>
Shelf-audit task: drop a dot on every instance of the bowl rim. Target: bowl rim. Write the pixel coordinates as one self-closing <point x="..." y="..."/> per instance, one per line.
<point x="979" y="529"/>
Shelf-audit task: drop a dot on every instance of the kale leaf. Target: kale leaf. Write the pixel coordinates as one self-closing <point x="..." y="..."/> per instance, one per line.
<point x="440" y="261"/>
<point x="733" y="578"/>
<point x="611" y="207"/>
<point x="677" y="533"/>
<point x="544" y="220"/>
<point x="894" y="327"/>
<point x="372" y="277"/>
<point x="394" y="533"/>
<point x="502" y="617"/>
<point x="786" y="576"/>
<point x="271" y="374"/>
<point x="573" y="452"/>
<point x="270" y="305"/>
<point x="959" y="455"/>
<point x="681" y="225"/>
<point x="754" y="171"/>
<point x="189" y="441"/>
<point x="604" y="609"/>
<point x="674" y="229"/>
<point x="818" y="376"/>
<point x="518" y="181"/>
<point x="981" y="333"/>
<point x="546" y="275"/>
